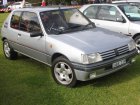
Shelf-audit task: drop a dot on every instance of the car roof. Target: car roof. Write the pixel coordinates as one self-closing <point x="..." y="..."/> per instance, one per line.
<point x="41" y="9"/>
<point x="111" y="4"/>
<point x="121" y="1"/>
<point x="125" y="2"/>
<point x="105" y="4"/>
<point x="87" y="5"/>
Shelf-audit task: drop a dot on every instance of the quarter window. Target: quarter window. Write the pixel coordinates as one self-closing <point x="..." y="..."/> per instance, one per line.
<point x="15" y="20"/>
<point x="29" y="22"/>
<point x="91" y="12"/>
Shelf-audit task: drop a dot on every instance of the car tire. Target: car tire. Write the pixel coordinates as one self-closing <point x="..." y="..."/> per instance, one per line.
<point x="9" y="51"/>
<point x="63" y="72"/>
<point x="137" y="40"/>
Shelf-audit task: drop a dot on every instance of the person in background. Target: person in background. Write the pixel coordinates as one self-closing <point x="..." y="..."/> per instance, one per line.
<point x="43" y="3"/>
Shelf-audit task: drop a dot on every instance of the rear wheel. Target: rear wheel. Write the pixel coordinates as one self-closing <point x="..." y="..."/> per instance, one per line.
<point x="63" y="73"/>
<point x="137" y="40"/>
<point x="8" y="51"/>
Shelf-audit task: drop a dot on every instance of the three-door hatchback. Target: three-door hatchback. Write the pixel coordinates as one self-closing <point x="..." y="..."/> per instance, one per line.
<point x="66" y="41"/>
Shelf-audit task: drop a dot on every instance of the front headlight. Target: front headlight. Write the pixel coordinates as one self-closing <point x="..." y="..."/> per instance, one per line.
<point x="132" y="45"/>
<point x="91" y="58"/>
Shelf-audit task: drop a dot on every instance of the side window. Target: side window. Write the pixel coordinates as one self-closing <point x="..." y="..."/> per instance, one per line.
<point x="91" y="11"/>
<point x="15" y="20"/>
<point x="29" y="22"/>
<point x="109" y="13"/>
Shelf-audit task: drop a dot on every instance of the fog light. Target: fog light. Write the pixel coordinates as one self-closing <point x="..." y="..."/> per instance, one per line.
<point x="93" y="75"/>
<point x="133" y="60"/>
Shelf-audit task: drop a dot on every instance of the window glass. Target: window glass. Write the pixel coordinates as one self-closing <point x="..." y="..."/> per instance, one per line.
<point x="63" y="21"/>
<point x="15" y="20"/>
<point x="109" y="13"/>
<point x="91" y="12"/>
<point x="131" y="11"/>
<point x="29" y="22"/>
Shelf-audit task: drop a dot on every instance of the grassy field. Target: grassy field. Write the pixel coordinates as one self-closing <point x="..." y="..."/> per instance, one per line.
<point x="27" y="82"/>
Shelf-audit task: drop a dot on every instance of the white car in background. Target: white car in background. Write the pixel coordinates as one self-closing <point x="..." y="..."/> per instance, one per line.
<point x="122" y="18"/>
<point x="123" y="1"/>
<point x="133" y="2"/>
<point x="18" y="5"/>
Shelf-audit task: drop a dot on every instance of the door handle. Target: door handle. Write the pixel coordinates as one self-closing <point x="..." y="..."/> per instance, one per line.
<point x="19" y="35"/>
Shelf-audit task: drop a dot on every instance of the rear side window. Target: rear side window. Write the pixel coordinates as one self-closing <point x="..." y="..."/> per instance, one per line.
<point x="29" y="22"/>
<point x="108" y="13"/>
<point x="91" y="12"/>
<point x="15" y="20"/>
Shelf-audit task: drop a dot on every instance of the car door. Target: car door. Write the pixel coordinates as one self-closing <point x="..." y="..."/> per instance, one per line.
<point x="13" y="29"/>
<point x="31" y="46"/>
<point x="109" y="17"/>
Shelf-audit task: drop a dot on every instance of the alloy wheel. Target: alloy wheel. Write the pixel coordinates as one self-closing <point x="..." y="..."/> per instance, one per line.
<point x="63" y="73"/>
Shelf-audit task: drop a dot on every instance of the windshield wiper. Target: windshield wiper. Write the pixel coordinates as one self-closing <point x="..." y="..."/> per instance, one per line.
<point x="63" y="31"/>
<point x="87" y="25"/>
<point x="73" y="28"/>
<point x="69" y="29"/>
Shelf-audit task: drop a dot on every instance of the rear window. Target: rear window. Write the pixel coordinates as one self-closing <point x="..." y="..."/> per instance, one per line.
<point x="15" y="20"/>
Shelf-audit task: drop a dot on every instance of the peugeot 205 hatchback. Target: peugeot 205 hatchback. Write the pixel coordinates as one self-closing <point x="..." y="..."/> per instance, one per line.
<point x="123" y="18"/>
<point x="66" y="41"/>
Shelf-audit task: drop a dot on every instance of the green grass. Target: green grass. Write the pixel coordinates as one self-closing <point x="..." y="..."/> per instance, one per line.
<point x="27" y="82"/>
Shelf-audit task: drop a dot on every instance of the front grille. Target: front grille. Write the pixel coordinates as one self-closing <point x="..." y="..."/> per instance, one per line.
<point x="115" y="52"/>
<point x="123" y="50"/>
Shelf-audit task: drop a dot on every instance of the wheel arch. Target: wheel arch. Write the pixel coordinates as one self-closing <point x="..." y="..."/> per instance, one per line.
<point x="3" y="38"/>
<point x="56" y="55"/>
<point x="138" y="34"/>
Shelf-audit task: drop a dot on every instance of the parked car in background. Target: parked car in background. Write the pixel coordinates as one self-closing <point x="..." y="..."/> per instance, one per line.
<point x="132" y="2"/>
<point x="123" y="1"/>
<point x="17" y="5"/>
<point x="67" y="41"/>
<point x="122" y="18"/>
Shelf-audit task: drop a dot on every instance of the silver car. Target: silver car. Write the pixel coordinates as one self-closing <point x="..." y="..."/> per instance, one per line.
<point x="66" y="41"/>
<point x="123" y="18"/>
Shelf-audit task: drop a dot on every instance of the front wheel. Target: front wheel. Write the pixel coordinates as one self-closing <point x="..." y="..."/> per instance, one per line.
<point x="63" y="72"/>
<point x="137" y="40"/>
<point x="8" y="51"/>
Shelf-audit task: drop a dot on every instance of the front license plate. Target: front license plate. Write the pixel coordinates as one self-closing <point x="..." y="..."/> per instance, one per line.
<point x="119" y="63"/>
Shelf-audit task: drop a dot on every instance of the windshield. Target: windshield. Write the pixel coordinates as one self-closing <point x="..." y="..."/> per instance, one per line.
<point x="64" y="20"/>
<point x="131" y="11"/>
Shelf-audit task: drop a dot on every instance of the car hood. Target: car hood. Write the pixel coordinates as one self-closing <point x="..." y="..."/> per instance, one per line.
<point x="136" y="22"/>
<point x="94" y="40"/>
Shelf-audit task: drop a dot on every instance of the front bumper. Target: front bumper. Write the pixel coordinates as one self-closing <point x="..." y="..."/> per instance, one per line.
<point x="96" y="70"/>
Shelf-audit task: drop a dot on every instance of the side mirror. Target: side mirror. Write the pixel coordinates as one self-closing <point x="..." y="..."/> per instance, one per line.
<point x="93" y="24"/>
<point x="36" y="34"/>
<point x="120" y="19"/>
